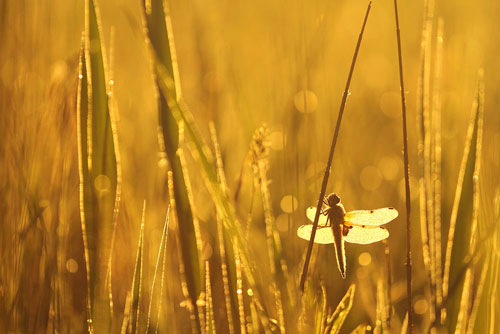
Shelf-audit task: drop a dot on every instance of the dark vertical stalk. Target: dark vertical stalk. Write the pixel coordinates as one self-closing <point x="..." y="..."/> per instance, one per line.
<point x="407" y="176"/>
<point x="332" y="150"/>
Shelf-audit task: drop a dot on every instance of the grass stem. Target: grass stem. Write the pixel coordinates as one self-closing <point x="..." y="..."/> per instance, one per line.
<point x="332" y="150"/>
<point x="407" y="176"/>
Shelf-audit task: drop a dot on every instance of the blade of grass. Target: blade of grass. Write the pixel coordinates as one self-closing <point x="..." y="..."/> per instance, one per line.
<point x="224" y="207"/>
<point x="203" y="156"/>
<point x="382" y="310"/>
<point x="362" y="329"/>
<point x="99" y="171"/>
<point x="425" y="140"/>
<point x="463" y="222"/>
<point x="337" y="318"/>
<point x="436" y="113"/>
<point x="260" y="153"/>
<point x="209" y="307"/>
<point x="161" y="254"/>
<point x="465" y="300"/>
<point x="404" y="327"/>
<point x="407" y="172"/>
<point x="241" y="301"/>
<point x="483" y="314"/>
<point x="332" y="150"/>
<point x="227" y="253"/>
<point x="137" y="280"/>
<point x="158" y="27"/>
<point x="478" y="297"/>
<point x="321" y="313"/>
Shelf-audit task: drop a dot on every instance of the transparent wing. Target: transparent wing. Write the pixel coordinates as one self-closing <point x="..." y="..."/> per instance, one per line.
<point x="370" y="217"/>
<point x="311" y="212"/>
<point x="324" y="234"/>
<point x="363" y="236"/>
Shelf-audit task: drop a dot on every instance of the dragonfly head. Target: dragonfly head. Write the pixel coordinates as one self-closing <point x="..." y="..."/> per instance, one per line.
<point x="333" y="199"/>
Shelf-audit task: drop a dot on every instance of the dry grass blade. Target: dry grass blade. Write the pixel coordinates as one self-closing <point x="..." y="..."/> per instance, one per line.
<point x="337" y="318"/>
<point x="436" y="172"/>
<point x="332" y="150"/>
<point x="463" y="221"/>
<point x="425" y="140"/>
<point x="465" y="301"/>
<point x="224" y="207"/>
<point x="157" y="22"/>
<point x="135" y="292"/>
<point x="407" y="171"/>
<point x="227" y="258"/>
<point x="321" y="313"/>
<point x="203" y="155"/>
<point x="260" y="154"/>
<point x="362" y="329"/>
<point x="478" y="297"/>
<point x="484" y="310"/>
<point x="404" y="327"/>
<point x="209" y="307"/>
<point x="161" y="254"/>
<point x="99" y="171"/>
<point x="382" y="309"/>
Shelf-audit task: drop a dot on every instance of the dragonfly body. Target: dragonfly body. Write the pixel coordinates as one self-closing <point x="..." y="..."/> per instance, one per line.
<point x="338" y="226"/>
<point x="335" y="213"/>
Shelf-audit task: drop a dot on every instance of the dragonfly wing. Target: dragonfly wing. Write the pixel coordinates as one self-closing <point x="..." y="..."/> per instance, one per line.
<point x="363" y="236"/>
<point x="375" y="217"/>
<point x="323" y="235"/>
<point x="311" y="213"/>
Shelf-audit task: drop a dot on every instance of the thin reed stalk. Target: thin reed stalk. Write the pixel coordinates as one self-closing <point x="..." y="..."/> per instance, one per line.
<point x="407" y="172"/>
<point x="436" y="172"/>
<point x="332" y="151"/>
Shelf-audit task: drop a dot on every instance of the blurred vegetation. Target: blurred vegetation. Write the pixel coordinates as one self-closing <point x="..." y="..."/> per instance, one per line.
<point x="93" y="125"/>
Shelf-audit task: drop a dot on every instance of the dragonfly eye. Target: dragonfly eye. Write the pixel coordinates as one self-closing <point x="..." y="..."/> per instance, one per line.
<point x="333" y="199"/>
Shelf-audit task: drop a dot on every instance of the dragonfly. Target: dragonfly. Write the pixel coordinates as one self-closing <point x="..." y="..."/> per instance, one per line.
<point x="336" y="226"/>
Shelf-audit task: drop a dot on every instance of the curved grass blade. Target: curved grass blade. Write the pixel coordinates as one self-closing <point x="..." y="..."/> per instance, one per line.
<point x="99" y="172"/>
<point x="337" y="318"/>
<point x="362" y="329"/>
<point x="157" y="21"/>
<point x="463" y="221"/>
